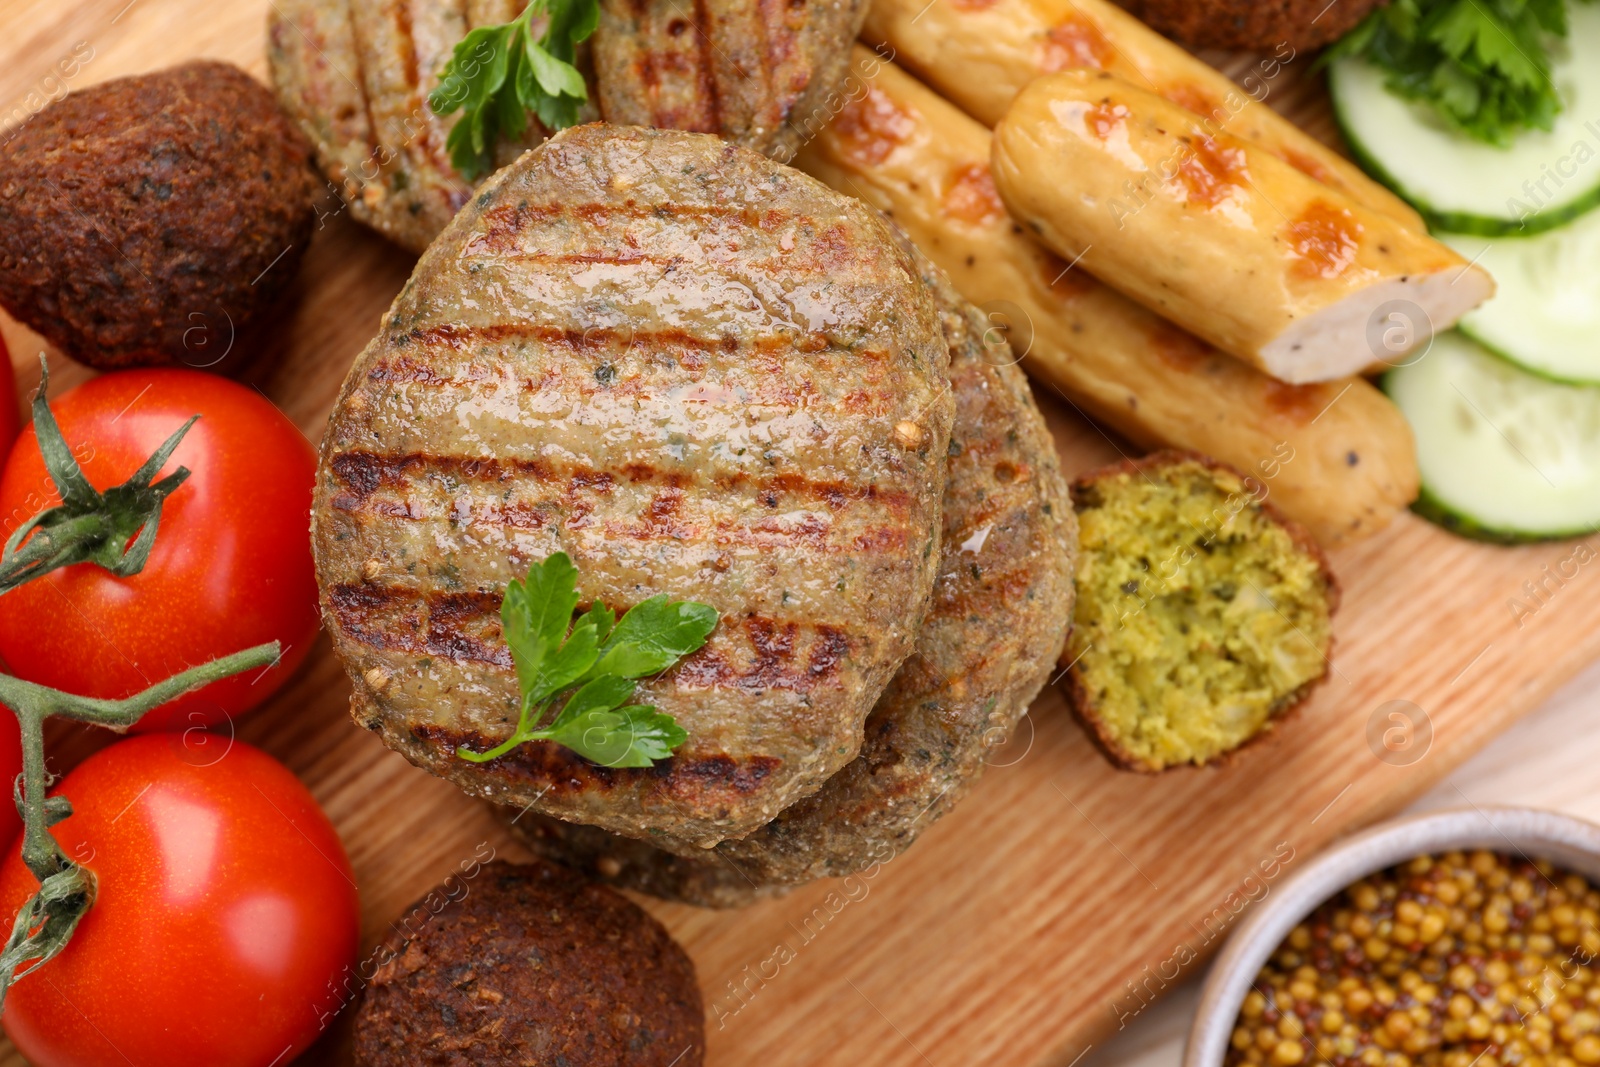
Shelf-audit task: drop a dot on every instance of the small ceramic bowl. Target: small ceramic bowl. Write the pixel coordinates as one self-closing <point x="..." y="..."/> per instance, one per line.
<point x="1561" y="839"/>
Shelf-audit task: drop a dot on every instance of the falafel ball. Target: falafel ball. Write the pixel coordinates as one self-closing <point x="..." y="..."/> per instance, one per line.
<point x="1260" y="25"/>
<point x="534" y="964"/>
<point x="145" y="220"/>
<point x="1203" y="616"/>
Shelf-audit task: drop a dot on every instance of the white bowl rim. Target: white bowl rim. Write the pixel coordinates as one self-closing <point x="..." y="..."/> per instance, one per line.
<point x="1562" y="839"/>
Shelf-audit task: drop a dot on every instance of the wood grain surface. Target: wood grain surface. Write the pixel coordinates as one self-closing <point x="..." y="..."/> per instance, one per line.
<point x="1062" y="897"/>
<point x="1544" y="761"/>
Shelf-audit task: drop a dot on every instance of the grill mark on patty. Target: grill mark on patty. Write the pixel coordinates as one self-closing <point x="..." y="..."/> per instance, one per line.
<point x="458" y="335"/>
<point x="501" y="224"/>
<point x="465" y="627"/>
<point x="799" y="270"/>
<point x="940" y="679"/>
<point x="771" y="348"/>
<point x="360" y="80"/>
<point x="649" y="77"/>
<point x="408" y="48"/>
<point x="425" y="61"/>
<point x="984" y="597"/>
<point x="563" y="772"/>
<point x="763" y="26"/>
<point x="782" y="38"/>
<point x="709" y="89"/>
<point x="511" y="219"/>
<point x="696" y="232"/>
<point x="437" y="625"/>
<point x="619" y="385"/>
<point x="763" y="535"/>
<point x="364" y="473"/>
<point x="774" y="643"/>
<point x="582" y="387"/>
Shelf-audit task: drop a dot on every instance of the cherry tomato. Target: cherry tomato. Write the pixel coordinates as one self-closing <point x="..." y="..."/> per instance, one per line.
<point x="10" y="744"/>
<point x="10" y="767"/>
<point x="225" y="914"/>
<point x="231" y="566"/>
<point x="10" y="418"/>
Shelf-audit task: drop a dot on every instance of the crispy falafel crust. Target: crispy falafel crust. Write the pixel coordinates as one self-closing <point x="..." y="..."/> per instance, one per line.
<point x="145" y="220"/>
<point x="1252" y="24"/>
<point x="534" y="964"/>
<point x="1002" y="604"/>
<point x="1081" y="695"/>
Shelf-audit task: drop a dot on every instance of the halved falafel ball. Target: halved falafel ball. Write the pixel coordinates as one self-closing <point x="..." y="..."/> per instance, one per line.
<point x="1261" y="25"/>
<point x="146" y="220"/>
<point x="1202" y="617"/>
<point x="532" y="964"/>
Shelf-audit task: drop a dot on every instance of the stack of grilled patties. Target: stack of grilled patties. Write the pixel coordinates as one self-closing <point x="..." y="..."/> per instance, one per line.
<point x="698" y="373"/>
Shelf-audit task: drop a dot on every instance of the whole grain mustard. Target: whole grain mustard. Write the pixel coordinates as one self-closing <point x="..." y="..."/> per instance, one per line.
<point x="1460" y="960"/>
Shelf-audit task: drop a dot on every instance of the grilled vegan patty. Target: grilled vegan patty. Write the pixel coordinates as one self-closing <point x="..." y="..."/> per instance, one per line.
<point x="1203" y="616"/>
<point x="1002" y="603"/>
<point x="758" y="74"/>
<point x="698" y="373"/>
<point x="356" y="74"/>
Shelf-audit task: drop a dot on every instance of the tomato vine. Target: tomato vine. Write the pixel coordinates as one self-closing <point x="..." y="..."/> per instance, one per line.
<point x="115" y="530"/>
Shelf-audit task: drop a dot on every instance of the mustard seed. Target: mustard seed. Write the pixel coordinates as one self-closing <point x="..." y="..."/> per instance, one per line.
<point x="1457" y="960"/>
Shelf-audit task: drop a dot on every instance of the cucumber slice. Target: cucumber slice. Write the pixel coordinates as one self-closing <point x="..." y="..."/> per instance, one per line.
<point x="1545" y="315"/>
<point x="1465" y="186"/>
<point x="1504" y="455"/>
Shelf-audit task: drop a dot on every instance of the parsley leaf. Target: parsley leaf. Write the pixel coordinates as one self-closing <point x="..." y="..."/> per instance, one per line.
<point x="498" y="74"/>
<point x="654" y="635"/>
<point x="633" y="736"/>
<point x="597" y="663"/>
<point x="596" y="725"/>
<point x="1482" y="65"/>
<point x="535" y="616"/>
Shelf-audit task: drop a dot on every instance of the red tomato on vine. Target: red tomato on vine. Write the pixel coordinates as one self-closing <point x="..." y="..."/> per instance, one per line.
<point x="10" y="767"/>
<point x="230" y="565"/>
<point x="224" y="919"/>
<point x="10" y="417"/>
<point x="10" y="747"/>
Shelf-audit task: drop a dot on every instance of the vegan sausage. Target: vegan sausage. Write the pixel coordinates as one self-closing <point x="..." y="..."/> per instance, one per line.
<point x="1218" y="235"/>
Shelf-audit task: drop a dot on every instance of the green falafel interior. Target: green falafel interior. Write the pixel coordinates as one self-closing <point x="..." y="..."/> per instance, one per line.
<point x="1201" y="615"/>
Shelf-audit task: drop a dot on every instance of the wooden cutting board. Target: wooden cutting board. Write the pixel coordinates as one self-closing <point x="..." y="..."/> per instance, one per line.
<point x="1062" y="896"/>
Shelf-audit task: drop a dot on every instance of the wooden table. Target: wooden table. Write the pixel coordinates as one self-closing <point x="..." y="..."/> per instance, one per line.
<point x="1545" y="761"/>
<point x="1013" y="932"/>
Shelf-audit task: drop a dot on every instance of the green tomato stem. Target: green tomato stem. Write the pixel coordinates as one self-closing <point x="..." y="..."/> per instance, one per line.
<point x="39" y="849"/>
<point x="73" y="538"/>
<point x="66" y="891"/>
<point x="120" y="714"/>
<point x="115" y="529"/>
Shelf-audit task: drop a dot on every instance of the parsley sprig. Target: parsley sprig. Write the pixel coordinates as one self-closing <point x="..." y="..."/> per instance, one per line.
<point x="497" y="74"/>
<point x="597" y="663"/>
<point x="1483" y="65"/>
